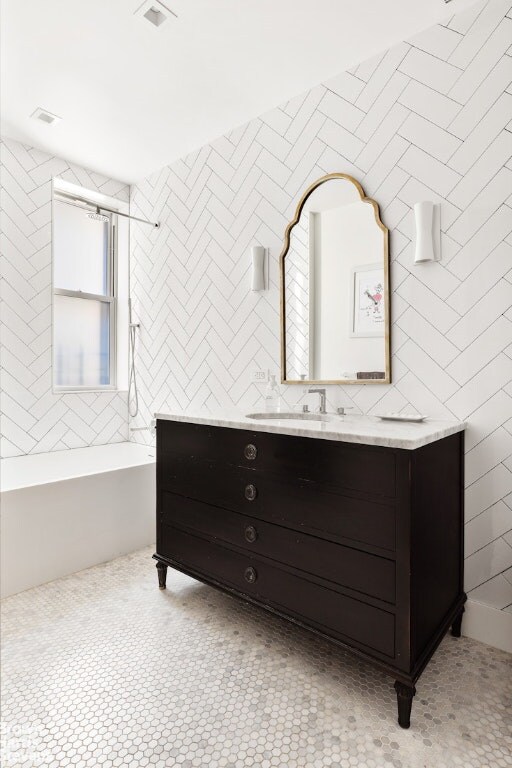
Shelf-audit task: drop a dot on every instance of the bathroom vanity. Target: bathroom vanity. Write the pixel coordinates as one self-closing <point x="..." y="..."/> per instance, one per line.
<point x="350" y="527"/>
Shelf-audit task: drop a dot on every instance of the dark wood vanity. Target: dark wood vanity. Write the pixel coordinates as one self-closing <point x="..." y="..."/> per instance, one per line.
<point x="362" y="544"/>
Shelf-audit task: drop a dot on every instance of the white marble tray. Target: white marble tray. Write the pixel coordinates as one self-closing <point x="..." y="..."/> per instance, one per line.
<point x="414" y="418"/>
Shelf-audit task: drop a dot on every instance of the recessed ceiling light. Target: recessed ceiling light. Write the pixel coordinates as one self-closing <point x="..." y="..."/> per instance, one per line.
<point x="155" y="12"/>
<point x="46" y="117"/>
<point x="155" y="16"/>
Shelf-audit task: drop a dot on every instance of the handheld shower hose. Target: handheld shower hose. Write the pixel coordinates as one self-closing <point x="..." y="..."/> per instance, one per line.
<point x="133" y="395"/>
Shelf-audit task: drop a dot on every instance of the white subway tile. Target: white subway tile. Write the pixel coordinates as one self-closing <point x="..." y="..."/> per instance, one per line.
<point x="345" y="85"/>
<point x="429" y="171"/>
<point x="276" y="119"/>
<point x="421" y="397"/>
<point x="449" y="246"/>
<point x="393" y="213"/>
<point x="482" y="315"/>
<point x="330" y="161"/>
<point x="273" y="167"/>
<point x="365" y="70"/>
<point x="433" y="274"/>
<point x="497" y="592"/>
<point x="386" y="162"/>
<point x="483" y="242"/>
<point x="341" y="111"/>
<point x="483" y="135"/>
<point x="481" y="387"/>
<point x="482" y="350"/>
<point x="429" y="137"/>
<point x="439" y="41"/>
<point x="381" y="106"/>
<point x="488" y="490"/>
<point x="426" y="369"/>
<point x="427" y="337"/>
<point x="414" y="191"/>
<point x="305" y="172"/>
<point x="487" y="527"/>
<point x="482" y="207"/>
<point x="373" y="148"/>
<point x="482" y="64"/>
<point x="381" y="76"/>
<point x="341" y="140"/>
<point x="476" y="37"/>
<point x="391" y="186"/>
<point x="482" y="99"/>
<point x="487" y="563"/>
<point x="306" y="110"/>
<point x="427" y="304"/>
<point x="429" y="70"/>
<point x="493" y="450"/>
<point x="463" y="21"/>
<point x="277" y="145"/>
<point x="429" y="103"/>
<point x="307" y="137"/>
<point x="491" y="415"/>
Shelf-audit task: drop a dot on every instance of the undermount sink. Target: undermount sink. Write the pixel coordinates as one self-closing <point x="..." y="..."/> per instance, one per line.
<point x="290" y="415"/>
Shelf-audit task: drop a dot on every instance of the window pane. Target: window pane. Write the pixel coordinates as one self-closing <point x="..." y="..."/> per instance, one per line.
<point x="81" y="342"/>
<point x="80" y="250"/>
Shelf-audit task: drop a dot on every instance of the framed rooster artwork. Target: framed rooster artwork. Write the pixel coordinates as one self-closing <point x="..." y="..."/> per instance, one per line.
<point x="367" y="312"/>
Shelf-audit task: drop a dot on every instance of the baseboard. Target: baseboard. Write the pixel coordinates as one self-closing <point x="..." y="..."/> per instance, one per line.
<point x="487" y="624"/>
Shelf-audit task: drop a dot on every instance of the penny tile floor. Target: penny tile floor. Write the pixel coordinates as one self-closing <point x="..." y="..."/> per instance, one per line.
<point x="102" y="669"/>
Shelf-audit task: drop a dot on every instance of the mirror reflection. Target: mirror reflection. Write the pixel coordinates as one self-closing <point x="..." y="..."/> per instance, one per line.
<point x="334" y="281"/>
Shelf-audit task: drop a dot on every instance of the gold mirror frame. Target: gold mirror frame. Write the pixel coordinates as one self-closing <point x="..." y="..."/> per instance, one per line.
<point x="387" y="314"/>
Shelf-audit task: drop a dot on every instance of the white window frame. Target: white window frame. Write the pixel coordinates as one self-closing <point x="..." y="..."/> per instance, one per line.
<point x="110" y="299"/>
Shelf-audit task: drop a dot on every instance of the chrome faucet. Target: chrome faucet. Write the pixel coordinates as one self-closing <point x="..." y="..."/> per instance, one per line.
<point x="321" y="392"/>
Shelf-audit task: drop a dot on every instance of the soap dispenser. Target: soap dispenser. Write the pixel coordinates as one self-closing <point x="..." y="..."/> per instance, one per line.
<point x="272" y="395"/>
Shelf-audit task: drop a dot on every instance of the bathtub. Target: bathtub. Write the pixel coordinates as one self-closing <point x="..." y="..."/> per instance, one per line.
<point x="64" y="511"/>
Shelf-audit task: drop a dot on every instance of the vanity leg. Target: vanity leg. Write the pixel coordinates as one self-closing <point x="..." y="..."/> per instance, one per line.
<point x="162" y="574"/>
<point x="457" y="623"/>
<point x="404" y="697"/>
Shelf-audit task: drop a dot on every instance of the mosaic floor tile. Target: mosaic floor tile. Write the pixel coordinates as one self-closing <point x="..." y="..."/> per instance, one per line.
<point x="102" y="669"/>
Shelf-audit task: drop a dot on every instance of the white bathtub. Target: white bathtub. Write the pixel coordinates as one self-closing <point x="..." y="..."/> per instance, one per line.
<point x="64" y="511"/>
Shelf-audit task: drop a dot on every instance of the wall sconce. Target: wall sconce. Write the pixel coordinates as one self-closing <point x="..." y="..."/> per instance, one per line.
<point x="258" y="268"/>
<point x="428" y="232"/>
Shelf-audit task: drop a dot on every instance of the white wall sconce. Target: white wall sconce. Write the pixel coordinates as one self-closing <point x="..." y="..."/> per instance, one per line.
<point x="258" y="268"/>
<point x="428" y="232"/>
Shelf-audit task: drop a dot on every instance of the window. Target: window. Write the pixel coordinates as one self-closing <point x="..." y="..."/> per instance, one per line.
<point x="84" y="296"/>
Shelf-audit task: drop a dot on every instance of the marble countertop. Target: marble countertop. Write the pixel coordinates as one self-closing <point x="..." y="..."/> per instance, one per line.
<point x="366" y="430"/>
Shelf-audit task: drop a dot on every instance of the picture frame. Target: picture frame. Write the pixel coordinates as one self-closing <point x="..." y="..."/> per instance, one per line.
<point x="367" y="308"/>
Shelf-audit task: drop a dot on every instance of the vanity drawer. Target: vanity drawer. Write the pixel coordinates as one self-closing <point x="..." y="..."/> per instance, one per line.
<point x="344" y="465"/>
<point x="360" y="571"/>
<point x="293" y="503"/>
<point x="325" y="609"/>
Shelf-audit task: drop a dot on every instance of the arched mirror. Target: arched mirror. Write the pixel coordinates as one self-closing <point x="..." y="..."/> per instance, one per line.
<point x="335" y="288"/>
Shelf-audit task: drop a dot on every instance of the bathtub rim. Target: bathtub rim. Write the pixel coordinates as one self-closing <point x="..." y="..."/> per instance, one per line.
<point x="35" y="469"/>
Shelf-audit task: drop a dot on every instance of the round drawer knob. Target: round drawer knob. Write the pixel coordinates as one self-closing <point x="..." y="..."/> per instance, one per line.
<point x="250" y="575"/>
<point x="250" y="492"/>
<point x="251" y="534"/>
<point x="250" y="452"/>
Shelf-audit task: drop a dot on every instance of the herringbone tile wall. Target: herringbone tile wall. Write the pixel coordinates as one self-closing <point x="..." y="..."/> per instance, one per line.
<point x="33" y="419"/>
<point x="297" y="302"/>
<point x="427" y="120"/>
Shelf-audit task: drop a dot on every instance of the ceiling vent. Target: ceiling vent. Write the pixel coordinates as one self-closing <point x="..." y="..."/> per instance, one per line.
<point x="46" y="117"/>
<point x="155" y="12"/>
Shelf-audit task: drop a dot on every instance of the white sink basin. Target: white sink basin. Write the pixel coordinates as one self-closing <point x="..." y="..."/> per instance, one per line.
<point x="291" y="416"/>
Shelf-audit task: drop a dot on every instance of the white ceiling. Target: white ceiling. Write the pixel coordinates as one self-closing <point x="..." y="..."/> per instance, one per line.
<point x="134" y="97"/>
